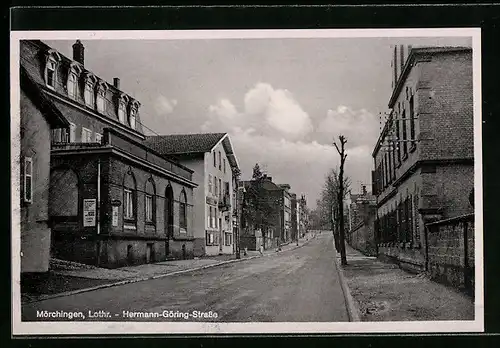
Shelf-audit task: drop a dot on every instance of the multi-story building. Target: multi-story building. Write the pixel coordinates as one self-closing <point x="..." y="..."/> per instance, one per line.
<point x="287" y="213"/>
<point x="273" y="225"/>
<point x="215" y="166"/>
<point x="112" y="200"/>
<point x="38" y="118"/>
<point x="424" y="157"/>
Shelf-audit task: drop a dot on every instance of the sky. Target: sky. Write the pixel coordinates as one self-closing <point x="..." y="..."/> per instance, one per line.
<point x="282" y="100"/>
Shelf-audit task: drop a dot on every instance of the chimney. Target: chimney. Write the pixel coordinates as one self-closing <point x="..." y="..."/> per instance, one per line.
<point x="78" y="51"/>
<point x="116" y="82"/>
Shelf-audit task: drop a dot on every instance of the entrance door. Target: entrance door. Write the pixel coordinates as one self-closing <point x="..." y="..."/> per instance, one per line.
<point x="169" y="217"/>
<point x="149" y="253"/>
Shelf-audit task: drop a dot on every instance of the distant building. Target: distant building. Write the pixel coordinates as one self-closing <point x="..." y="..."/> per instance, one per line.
<point x="212" y="158"/>
<point x="38" y="119"/>
<point x="361" y="214"/>
<point x="112" y="200"/>
<point x="424" y="157"/>
<point x="277" y="224"/>
<point x="295" y="211"/>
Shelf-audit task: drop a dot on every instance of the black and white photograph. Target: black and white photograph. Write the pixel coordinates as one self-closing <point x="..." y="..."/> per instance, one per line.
<point x="246" y="181"/>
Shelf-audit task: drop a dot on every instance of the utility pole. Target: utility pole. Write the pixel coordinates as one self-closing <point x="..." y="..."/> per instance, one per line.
<point x="343" y="155"/>
<point x="239" y="202"/>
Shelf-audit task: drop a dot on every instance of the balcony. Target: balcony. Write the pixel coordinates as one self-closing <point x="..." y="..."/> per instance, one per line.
<point x="225" y="203"/>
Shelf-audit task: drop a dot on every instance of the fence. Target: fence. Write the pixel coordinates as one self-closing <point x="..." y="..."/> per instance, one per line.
<point x="450" y="251"/>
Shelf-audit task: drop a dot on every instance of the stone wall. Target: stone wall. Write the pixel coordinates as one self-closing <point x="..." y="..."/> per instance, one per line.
<point x="451" y="251"/>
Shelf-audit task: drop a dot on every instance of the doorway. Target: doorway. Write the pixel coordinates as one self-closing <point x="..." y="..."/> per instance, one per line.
<point x="221" y="240"/>
<point x="150" y="253"/>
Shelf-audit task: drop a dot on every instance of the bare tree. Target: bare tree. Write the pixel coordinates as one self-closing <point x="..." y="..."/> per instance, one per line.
<point x="343" y="156"/>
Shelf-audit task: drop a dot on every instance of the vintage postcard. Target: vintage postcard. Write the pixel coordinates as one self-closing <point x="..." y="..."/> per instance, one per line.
<point x="257" y="181"/>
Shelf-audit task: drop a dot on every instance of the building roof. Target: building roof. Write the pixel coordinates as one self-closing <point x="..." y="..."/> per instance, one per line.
<point x="51" y="113"/>
<point x="174" y="144"/>
<point x="188" y="144"/>
<point x="32" y="60"/>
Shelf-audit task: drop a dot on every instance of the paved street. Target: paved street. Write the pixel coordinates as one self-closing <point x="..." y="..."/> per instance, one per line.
<point x="298" y="285"/>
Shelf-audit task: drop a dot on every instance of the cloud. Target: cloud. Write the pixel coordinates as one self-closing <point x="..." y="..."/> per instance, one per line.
<point x="269" y="111"/>
<point x="272" y="129"/>
<point x="360" y="127"/>
<point x="163" y="105"/>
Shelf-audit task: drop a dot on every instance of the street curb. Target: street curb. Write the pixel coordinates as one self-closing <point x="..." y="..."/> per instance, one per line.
<point x="352" y="310"/>
<point x="158" y="276"/>
<point x="135" y="280"/>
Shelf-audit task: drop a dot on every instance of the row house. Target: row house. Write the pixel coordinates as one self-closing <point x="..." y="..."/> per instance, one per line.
<point x="295" y="216"/>
<point x="424" y="157"/>
<point x="275" y="205"/>
<point x="212" y="158"/>
<point x="113" y="201"/>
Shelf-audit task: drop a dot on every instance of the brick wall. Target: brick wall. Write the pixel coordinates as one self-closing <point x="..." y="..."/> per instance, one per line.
<point x="448" y="260"/>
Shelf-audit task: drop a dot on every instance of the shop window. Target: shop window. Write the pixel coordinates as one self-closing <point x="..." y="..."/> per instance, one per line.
<point x="28" y="180"/>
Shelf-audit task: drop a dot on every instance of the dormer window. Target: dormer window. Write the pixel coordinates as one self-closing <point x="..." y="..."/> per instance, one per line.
<point x="53" y="59"/>
<point x="88" y="91"/>
<point x="72" y="85"/>
<point x="132" y="116"/>
<point x="89" y="94"/>
<point x="122" y="107"/>
<point x="121" y="112"/>
<point x="51" y="73"/>
<point x="101" y="97"/>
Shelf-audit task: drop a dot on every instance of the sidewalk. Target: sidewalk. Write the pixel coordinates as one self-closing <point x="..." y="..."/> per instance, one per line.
<point x="66" y="278"/>
<point x="384" y="292"/>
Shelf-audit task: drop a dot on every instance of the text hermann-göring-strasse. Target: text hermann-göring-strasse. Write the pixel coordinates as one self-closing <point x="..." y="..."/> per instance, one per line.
<point x="127" y="314"/>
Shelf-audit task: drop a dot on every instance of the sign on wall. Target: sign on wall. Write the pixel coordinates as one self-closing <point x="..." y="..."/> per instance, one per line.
<point x="89" y="212"/>
<point x="115" y="216"/>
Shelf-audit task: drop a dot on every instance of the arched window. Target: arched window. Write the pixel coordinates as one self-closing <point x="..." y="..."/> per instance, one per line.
<point x="169" y="211"/>
<point x="129" y="198"/>
<point x="183" y="211"/>
<point x="150" y="202"/>
<point x="63" y="193"/>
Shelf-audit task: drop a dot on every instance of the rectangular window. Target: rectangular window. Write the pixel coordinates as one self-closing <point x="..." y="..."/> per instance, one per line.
<point x="98" y="138"/>
<point x="86" y="135"/>
<point x="28" y="180"/>
<point x="405" y="138"/>
<point x="220" y="188"/>
<point x="228" y="240"/>
<point x="72" y="132"/>
<point x="209" y="217"/>
<point x="128" y="204"/>
<point x="209" y="183"/>
<point x="215" y="159"/>
<point x="224" y="165"/>
<point x="149" y="208"/>
<point x="398" y="138"/>
<point x="220" y="161"/>
<point x="216" y="191"/>
<point x="412" y="121"/>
